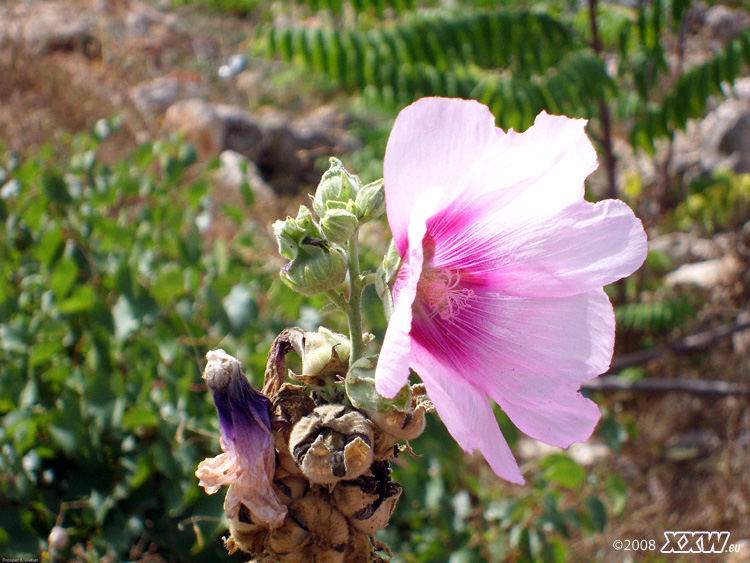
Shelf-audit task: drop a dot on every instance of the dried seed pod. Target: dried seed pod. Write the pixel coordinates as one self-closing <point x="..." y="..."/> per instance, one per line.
<point x="332" y="443"/>
<point x="369" y="500"/>
<point x="405" y="425"/>
<point x="359" y="549"/>
<point x="244" y="534"/>
<point x="290" y="489"/>
<point x="313" y="531"/>
<point x="290" y="404"/>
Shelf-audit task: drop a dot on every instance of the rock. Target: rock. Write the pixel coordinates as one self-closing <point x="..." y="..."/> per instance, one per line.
<point x="585" y="454"/>
<point x="234" y="169"/>
<point x="707" y="274"/>
<point x="741" y="338"/>
<point x="153" y="97"/>
<point x="290" y="148"/>
<point x="242" y="131"/>
<point x="725" y="136"/>
<point x="682" y="248"/>
<point x="724" y="24"/>
<point x="200" y="123"/>
<point x="53" y="26"/>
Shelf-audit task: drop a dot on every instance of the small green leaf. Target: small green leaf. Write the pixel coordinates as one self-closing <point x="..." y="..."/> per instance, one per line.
<point x="80" y="301"/>
<point x="596" y="512"/>
<point x="139" y="416"/>
<point x="63" y="277"/>
<point x="562" y="470"/>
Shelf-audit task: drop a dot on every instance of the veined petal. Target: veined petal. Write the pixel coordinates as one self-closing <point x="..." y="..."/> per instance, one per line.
<point x="581" y="247"/>
<point x="547" y="348"/>
<point x="455" y="144"/>
<point x="392" y="370"/>
<point x="430" y="143"/>
<point x="466" y="412"/>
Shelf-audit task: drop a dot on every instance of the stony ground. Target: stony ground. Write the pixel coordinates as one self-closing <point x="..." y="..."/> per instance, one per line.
<point x="67" y="63"/>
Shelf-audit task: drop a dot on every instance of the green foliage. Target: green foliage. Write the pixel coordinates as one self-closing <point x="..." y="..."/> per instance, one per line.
<point x="475" y="54"/>
<point x="447" y="513"/>
<point x="239" y="7"/>
<point x="517" y="61"/>
<point x="656" y="316"/>
<point x="110" y="295"/>
<point x="717" y="202"/>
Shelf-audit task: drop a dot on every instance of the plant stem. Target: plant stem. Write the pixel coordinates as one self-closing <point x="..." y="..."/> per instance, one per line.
<point x="354" y="312"/>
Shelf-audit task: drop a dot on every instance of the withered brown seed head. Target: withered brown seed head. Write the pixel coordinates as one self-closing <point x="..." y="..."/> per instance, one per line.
<point x="332" y="443"/>
<point x="369" y="500"/>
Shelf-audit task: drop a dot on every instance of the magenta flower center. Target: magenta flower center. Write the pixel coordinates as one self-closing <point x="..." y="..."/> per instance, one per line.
<point x="441" y="294"/>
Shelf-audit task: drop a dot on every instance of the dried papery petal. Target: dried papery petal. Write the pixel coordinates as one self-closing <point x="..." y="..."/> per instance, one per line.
<point x="248" y="463"/>
<point x="332" y="443"/>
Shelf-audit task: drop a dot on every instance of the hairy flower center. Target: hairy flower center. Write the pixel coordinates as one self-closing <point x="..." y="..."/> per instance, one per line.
<point x="440" y="292"/>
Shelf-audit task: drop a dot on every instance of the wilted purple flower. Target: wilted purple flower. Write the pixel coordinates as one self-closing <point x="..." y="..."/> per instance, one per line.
<point x="500" y="292"/>
<point x="249" y="460"/>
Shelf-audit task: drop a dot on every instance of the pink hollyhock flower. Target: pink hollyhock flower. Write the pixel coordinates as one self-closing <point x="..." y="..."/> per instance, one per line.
<point x="249" y="459"/>
<point x="500" y="290"/>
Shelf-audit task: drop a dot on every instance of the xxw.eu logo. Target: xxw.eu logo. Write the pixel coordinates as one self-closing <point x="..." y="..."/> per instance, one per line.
<point x="695" y="542"/>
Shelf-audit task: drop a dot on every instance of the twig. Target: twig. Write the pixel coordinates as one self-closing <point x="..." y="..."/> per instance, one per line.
<point x="688" y="345"/>
<point x="667" y="384"/>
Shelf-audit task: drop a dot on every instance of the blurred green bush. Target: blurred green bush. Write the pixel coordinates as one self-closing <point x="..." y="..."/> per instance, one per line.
<point x="111" y="292"/>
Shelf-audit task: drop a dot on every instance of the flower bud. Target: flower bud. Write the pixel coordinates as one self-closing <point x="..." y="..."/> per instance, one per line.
<point x="58" y="539"/>
<point x="336" y="188"/>
<point x="339" y="225"/>
<point x="316" y="265"/>
<point x="370" y="201"/>
<point x="325" y="352"/>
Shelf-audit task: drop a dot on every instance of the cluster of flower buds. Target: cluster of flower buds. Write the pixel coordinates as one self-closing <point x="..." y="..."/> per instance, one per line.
<point x="330" y="480"/>
<point x="317" y="259"/>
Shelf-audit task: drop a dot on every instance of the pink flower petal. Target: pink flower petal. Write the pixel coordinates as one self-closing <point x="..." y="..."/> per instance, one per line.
<point x="556" y="345"/>
<point x="467" y="414"/>
<point x="428" y="144"/>
<point x="503" y="297"/>
<point x="582" y="247"/>
<point x="392" y="370"/>
<point x="455" y="144"/>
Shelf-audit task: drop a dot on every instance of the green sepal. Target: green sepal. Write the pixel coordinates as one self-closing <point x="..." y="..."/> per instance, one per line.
<point x="360" y="387"/>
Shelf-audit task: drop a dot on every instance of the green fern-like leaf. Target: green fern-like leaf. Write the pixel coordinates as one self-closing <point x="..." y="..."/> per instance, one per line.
<point x="688" y="97"/>
<point x="494" y="40"/>
<point x="656" y="316"/>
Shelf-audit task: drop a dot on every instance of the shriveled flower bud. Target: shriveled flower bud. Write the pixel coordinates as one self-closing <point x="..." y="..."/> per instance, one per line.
<point x="332" y="443"/>
<point x="244" y="534"/>
<point x="339" y="225"/>
<point x="370" y="201"/>
<point x="315" y="264"/>
<point x="249" y="461"/>
<point x="337" y="187"/>
<point x="314" y="531"/>
<point x="368" y="501"/>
